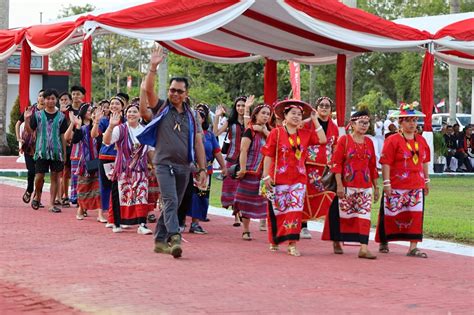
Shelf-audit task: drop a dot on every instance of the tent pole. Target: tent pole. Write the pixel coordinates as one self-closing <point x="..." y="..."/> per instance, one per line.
<point x="341" y="92"/>
<point x="270" y="82"/>
<point x="25" y="71"/>
<point x="86" y="68"/>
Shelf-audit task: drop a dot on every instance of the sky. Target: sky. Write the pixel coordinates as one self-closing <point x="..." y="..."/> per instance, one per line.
<point x="27" y="12"/>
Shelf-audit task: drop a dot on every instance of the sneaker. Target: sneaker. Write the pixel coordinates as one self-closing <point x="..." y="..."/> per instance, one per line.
<point x="175" y="246"/>
<point x="109" y="225"/>
<point x="124" y="226"/>
<point x="197" y="229"/>
<point x="117" y="229"/>
<point x="142" y="229"/>
<point x="304" y="234"/>
<point x="79" y="217"/>
<point x="181" y="229"/>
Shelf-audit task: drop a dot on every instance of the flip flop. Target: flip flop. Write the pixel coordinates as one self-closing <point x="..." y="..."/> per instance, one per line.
<point x="383" y="248"/>
<point x="27" y="197"/>
<point x="416" y="252"/>
<point x="35" y="204"/>
<point x="65" y="202"/>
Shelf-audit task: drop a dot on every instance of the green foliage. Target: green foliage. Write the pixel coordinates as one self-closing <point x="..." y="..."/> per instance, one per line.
<point x="375" y="102"/>
<point x="14" y="116"/>
<point x="12" y="143"/>
<point x="439" y="145"/>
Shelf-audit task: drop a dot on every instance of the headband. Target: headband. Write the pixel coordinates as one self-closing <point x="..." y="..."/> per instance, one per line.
<point x="293" y="106"/>
<point x="360" y="117"/>
<point x="322" y="98"/>
<point x="132" y="105"/>
<point x="120" y="99"/>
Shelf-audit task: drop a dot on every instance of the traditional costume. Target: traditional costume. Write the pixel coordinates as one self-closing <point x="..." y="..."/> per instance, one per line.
<point x="288" y="172"/>
<point x="401" y="213"/>
<point x="88" y="192"/>
<point x="318" y="200"/>
<point x="248" y="202"/>
<point x="229" y="185"/>
<point x="349" y="218"/>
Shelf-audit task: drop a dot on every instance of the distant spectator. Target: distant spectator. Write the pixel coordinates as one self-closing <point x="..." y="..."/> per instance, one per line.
<point x="392" y="129"/>
<point x="451" y="145"/>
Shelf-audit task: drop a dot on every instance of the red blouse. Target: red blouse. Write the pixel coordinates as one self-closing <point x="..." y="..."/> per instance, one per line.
<point x="404" y="172"/>
<point x="355" y="162"/>
<point x="289" y="170"/>
<point x="321" y="154"/>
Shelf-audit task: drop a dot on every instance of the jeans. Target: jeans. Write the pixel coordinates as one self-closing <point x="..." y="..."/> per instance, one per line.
<point x="173" y="181"/>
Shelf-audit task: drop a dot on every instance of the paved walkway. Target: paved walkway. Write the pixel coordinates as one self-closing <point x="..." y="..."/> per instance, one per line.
<point x="53" y="263"/>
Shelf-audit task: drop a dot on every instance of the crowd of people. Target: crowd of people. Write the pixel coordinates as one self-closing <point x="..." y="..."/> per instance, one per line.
<point x="283" y="165"/>
<point x="459" y="145"/>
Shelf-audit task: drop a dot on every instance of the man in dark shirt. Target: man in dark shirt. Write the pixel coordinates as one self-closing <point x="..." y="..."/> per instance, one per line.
<point x="451" y="141"/>
<point x="177" y="139"/>
<point x="50" y="125"/>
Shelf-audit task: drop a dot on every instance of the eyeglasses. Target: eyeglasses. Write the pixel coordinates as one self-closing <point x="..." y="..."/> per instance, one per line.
<point x="363" y="123"/>
<point x="173" y="90"/>
<point x="324" y="105"/>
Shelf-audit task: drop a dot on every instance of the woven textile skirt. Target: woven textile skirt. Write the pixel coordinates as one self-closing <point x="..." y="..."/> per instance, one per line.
<point x="401" y="216"/>
<point x="153" y="191"/>
<point x="74" y="180"/>
<point x="133" y="197"/>
<point x="285" y="213"/>
<point x="229" y="188"/>
<point x="88" y="192"/>
<point x="349" y="218"/>
<point x="247" y="199"/>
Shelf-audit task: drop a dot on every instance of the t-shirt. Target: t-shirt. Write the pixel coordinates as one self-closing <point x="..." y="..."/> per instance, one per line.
<point x="50" y="117"/>
<point x="133" y="133"/>
<point x="173" y="137"/>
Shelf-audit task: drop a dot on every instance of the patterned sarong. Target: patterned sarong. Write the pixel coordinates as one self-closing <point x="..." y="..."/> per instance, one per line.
<point x="317" y="201"/>
<point x="401" y="216"/>
<point x="88" y="193"/>
<point x="247" y="199"/>
<point x="285" y="213"/>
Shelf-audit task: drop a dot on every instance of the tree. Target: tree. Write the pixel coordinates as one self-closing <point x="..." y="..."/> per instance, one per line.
<point x="14" y="115"/>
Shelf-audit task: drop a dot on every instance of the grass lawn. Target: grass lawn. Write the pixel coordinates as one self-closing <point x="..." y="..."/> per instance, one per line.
<point x="449" y="208"/>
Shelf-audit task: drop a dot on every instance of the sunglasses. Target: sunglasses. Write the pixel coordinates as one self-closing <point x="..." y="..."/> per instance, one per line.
<point x="173" y="90"/>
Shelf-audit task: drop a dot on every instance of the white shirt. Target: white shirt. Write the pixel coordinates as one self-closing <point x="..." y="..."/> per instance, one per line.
<point x="133" y="132"/>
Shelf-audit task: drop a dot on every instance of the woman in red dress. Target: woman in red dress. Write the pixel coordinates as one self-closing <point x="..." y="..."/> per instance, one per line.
<point x="284" y="171"/>
<point x="354" y="166"/>
<point x="405" y="157"/>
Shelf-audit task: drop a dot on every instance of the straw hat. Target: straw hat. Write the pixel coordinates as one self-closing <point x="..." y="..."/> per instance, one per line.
<point x="280" y="107"/>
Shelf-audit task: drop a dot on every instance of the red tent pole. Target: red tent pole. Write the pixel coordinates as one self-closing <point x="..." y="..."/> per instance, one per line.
<point x="341" y="89"/>
<point x="25" y="63"/>
<point x="86" y="68"/>
<point x="427" y="89"/>
<point x="270" y="82"/>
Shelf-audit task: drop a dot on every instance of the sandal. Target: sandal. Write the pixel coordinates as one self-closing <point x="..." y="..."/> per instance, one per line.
<point x="416" y="252"/>
<point x="55" y="209"/>
<point x="65" y="202"/>
<point x="274" y="247"/>
<point x="57" y="203"/>
<point x="246" y="236"/>
<point x="26" y="197"/>
<point x="35" y="204"/>
<point x="292" y="251"/>
<point x="367" y="255"/>
<point x="85" y="213"/>
<point x="337" y="248"/>
<point x="383" y="248"/>
<point x="237" y="223"/>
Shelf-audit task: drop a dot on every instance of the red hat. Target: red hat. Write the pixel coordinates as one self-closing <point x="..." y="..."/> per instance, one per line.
<point x="281" y="106"/>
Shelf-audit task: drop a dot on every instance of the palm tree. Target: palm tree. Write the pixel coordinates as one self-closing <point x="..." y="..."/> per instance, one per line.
<point x="4" y="4"/>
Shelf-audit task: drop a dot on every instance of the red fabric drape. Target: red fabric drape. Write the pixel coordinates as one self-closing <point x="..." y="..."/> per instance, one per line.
<point x="341" y="89"/>
<point x="25" y="63"/>
<point x="86" y="68"/>
<point x="427" y="89"/>
<point x="270" y="82"/>
<point x="295" y="80"/>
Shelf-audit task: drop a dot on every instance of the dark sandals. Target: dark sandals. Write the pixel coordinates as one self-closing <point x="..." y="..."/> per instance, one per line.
<point x="65" y="202"/>
<point x="26" y="197"/>
<point x="35" y="204"/>
<point x="383" y="248"/>
<point x="416" y="252"/>
<point x="55" y="209"/>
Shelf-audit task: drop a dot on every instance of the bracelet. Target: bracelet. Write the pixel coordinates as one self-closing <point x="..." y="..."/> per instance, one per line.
<point x="247" y="116"/>
<point x="386" y="185"/>
<point x="386" y="181"/>
<point x="427" y="180"/>
<point x="266" y="177"/>
<point x="319" y="128"/>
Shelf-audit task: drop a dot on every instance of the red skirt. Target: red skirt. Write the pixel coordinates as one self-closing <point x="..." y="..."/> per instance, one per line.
<point x="153" y="191"/>
<point x="229" y="188"/>
<point x="317" y="201"/>
<point x="285" y="213"/>
<point x="401" y="216"/>
<point x="88" y="192"/>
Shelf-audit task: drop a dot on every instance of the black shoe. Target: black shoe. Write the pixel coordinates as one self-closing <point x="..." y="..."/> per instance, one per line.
<point x="151" y="218"/>
<point x="206" y="220"/>
<point x="459" y="170"/>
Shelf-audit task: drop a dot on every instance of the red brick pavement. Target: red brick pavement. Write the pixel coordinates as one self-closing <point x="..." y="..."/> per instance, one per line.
<point x="84" y="267"/>
<point x="9" y="162"/>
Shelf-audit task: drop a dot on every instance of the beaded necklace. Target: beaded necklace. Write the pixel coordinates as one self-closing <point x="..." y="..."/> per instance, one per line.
<point x="296" y="148"/>
<point x="414" y="153"/>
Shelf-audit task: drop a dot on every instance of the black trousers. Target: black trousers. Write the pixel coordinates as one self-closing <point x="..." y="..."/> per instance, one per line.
<point x="30" y="166"/>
